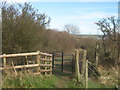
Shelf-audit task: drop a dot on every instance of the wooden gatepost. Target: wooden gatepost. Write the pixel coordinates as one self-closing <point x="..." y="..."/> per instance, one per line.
<point x="77" y="72"/>
<point x="81" y="72"/>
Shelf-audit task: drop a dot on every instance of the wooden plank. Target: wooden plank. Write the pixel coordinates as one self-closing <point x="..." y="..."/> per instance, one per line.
<point x="43" y="59"/>
<point x="24" y="54"/>
<point x="21" y="66"/>
<point x="27" y="66"/>
<point x="36" y="73"/>
<point x="45" y="54"/>
<point x="17" y="55"/>
<point x="45" y="65"/>
<point x="48" y="70"/>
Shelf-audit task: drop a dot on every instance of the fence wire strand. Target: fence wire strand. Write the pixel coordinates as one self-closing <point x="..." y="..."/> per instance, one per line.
<point x="90" y="70"/>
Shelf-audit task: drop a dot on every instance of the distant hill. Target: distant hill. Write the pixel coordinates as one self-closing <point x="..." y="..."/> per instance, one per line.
<point x="88" y="36"/>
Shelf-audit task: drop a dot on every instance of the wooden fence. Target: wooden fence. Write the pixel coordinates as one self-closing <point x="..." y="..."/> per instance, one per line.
<point x="35" y="62"/>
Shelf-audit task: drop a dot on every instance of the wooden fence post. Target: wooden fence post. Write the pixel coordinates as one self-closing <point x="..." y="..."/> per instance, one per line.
<point x="51" y="67"/>
<point x="72" y="64"/>
<point x="38" y="62"/>
<point x="4" y="61"/>
<point x="45" y="64"/>
<point x="96" y="54"/>
<point x="26" y="60"/>
<point x="83" y="62"/>
<point x="14" y="68"/>
<point x="77" y="72"/>
<point x="86" y="74"/>
<point x="62" y="63"/>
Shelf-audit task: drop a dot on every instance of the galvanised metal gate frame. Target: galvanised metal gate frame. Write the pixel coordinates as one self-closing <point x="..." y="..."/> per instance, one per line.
<point x="62" y="55"/>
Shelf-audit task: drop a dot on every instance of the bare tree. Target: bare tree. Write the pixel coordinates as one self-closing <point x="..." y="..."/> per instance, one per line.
<point x="71" y="28"/>
<point x="109" y="28"/>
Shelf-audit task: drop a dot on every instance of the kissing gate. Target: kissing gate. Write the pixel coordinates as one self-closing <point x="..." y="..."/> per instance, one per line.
<point x="62" y="62"/>
<point x="41" y="63"/>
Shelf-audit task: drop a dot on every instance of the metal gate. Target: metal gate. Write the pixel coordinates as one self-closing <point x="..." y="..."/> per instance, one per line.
<point x="62" y="62"/>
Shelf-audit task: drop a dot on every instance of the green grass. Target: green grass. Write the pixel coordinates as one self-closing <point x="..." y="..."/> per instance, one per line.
<point x="91" y="84"/>
<point x="94" y="84"/>
<point x="58" y="81"/>
<point x="29" y="81"/>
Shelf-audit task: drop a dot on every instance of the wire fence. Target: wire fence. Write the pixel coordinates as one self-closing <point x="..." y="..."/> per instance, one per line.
<point x="89" y="74"/>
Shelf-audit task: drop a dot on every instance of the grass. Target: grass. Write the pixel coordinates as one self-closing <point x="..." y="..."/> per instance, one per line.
<point x="58" y="80"/>
<point x="91" y="84"/>
<point x="94" y="84"/>
<point x="29" y="81"/>
<point x="109" y="76"/>
<point x="33" y="81"/>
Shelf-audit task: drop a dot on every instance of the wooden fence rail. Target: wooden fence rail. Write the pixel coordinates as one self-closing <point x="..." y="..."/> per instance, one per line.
<point x="41" y="62"/>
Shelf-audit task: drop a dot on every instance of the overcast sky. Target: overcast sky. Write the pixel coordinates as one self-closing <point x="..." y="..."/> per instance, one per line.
<point x="82" y="13"/>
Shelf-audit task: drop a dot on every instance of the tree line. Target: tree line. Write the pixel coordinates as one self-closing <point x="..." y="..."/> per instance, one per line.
<point x="25" y="30"/>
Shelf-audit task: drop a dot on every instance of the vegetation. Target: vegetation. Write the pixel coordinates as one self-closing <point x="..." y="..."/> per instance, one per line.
<point x="33" y="81"/>
<point x="109" y="50"/>
<point x="29" y="81"/>
<point x="26" y="30"/>
<point x="21" y="25"/>
<point x="72" y="29"/>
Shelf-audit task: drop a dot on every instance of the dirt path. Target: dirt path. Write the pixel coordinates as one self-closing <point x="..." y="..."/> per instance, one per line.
<point x="62" y="82"/>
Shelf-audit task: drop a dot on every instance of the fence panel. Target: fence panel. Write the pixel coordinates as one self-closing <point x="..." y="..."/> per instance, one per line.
<point x="35" y="62"/>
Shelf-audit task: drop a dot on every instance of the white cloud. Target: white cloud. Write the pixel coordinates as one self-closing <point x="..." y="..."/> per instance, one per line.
<point x="91" y="15"/>
<point x="88" y="28"/>
<point x="85" y="21"/>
